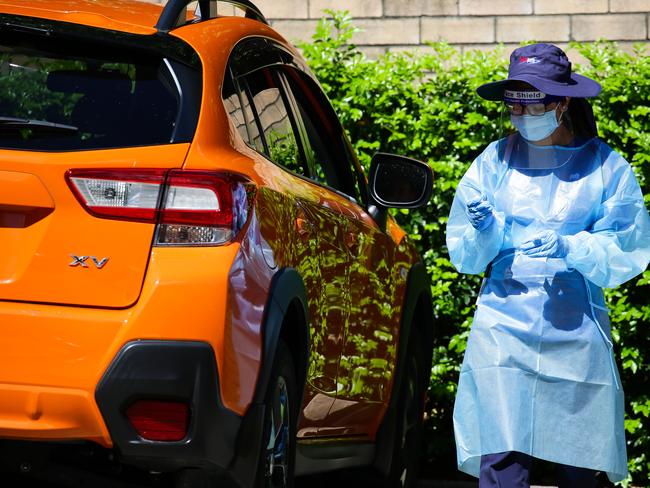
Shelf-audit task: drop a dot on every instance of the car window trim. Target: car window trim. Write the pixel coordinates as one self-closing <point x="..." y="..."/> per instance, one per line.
<point x="294" y="118"/>
<point x="283" y="56"/>
<point x="246" y="92"/>
<point x="179" y="93"/>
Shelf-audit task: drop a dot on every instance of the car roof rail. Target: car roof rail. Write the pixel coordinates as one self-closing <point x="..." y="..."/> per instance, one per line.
<point x="173" y="14"/>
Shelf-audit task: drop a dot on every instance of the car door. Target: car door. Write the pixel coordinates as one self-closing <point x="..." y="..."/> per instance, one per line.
<point x="371" y="333"/>
<point x="321" y="256"/>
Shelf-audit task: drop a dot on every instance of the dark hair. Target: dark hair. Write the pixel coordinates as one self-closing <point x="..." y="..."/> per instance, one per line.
<point x="581" y="118"/>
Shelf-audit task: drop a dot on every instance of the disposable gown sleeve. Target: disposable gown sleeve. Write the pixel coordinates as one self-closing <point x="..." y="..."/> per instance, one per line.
<point x="616" y="248"/>
<point x="472" y="250"/>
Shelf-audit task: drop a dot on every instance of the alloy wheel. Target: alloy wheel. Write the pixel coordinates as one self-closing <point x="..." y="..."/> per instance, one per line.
<point x="277" y="449"/>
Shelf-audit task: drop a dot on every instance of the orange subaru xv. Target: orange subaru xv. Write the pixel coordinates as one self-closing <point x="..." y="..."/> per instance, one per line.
<point x="198" y="284"/>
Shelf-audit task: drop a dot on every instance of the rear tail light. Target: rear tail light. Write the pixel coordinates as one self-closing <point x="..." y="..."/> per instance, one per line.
<point x="198" y="209"/>
<point x="190" y="207"/>
<point x="159" y="420"/>
<point x="127" y="195"/>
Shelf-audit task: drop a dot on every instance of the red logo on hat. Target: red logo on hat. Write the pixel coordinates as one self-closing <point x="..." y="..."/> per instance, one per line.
<point x="529" y="60"/>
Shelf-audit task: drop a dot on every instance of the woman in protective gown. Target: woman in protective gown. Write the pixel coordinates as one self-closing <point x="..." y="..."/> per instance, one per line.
<point x="552" y="215"/>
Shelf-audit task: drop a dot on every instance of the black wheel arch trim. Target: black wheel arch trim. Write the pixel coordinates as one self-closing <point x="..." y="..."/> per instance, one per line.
<point x="287" y="290"/>
<point x="418" y="288"/>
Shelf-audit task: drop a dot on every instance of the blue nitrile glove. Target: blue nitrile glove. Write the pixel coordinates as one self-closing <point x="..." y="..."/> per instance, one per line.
<point x="479" y="212"/>
<point x="546" y="244"/>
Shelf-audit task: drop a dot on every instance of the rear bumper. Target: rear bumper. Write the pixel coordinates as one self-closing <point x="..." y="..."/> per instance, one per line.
<point x="217" y="440"/>
<point x="184" y="371"/>
<point x="175" y="370"/>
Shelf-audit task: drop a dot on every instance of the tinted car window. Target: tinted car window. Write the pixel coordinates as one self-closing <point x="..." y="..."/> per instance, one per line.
<point x="58" y="100"/>
<point x="274" y="119"/>
<point x="332" y="164"/>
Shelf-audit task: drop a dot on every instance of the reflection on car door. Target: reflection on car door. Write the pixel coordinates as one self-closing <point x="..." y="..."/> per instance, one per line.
<point x="322" y="258"/>
<point x="371" y="331"/>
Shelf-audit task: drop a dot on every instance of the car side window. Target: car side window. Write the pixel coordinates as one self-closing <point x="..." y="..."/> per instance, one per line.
<point x="276" y="124"/>
<point x="288" y="118"/>
<point x="327" y="149"/>
<point x="241" y="114"/>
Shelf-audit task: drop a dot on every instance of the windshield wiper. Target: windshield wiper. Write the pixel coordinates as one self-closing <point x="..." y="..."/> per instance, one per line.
<point x="40" y="125"/>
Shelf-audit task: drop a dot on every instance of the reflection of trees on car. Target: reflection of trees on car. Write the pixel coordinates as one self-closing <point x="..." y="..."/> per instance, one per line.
<point x="278" y="214"/>
<point x="370" y="355"/>
<point x="284" y="150"/>
<point x="24" y="92"/>
<point x="96" y="101"/>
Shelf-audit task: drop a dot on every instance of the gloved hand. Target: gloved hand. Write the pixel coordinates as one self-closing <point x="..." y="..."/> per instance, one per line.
<point x="479" y="212"/>
<point x="546" y="244"/>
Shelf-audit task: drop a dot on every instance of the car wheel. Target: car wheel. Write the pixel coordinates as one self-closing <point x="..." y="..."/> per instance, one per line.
<point x="277" y="458"/>
<point x="406" y="449"/>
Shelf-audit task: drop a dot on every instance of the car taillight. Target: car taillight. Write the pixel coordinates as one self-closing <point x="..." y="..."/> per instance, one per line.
<point x="126" y="195"/>
<point x="197" y="208"/>
<point x="159" y="420"/>
<point x="190" y="207"/>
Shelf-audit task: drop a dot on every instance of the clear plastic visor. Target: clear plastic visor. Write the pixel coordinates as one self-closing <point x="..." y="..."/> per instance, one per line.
<point x="532" y="138"/>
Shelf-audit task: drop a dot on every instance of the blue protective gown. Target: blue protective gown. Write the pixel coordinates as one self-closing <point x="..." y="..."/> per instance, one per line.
<point x="539" y="375"/>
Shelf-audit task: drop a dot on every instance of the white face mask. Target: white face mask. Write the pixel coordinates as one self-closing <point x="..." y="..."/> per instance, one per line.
<point x="535" y="127"/>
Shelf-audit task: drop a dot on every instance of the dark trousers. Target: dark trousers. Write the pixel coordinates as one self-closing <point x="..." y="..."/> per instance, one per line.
<point x="512" y="470"/>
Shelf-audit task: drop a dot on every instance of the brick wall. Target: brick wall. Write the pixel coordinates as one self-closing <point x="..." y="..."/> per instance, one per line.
<point x="409" y="24"/>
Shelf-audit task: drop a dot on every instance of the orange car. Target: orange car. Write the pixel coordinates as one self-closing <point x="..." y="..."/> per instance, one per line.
<point x="196" y="279"/>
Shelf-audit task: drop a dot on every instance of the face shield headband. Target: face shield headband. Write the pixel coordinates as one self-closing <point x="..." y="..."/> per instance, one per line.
<point x="528" y="97"/>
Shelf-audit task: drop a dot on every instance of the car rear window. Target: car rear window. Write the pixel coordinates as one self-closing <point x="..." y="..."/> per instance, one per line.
<point x="63" y="99"/>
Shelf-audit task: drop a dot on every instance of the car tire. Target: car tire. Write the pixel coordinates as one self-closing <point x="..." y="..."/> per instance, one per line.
<point x="410" y="409"/>
<point x="277" y="457"/>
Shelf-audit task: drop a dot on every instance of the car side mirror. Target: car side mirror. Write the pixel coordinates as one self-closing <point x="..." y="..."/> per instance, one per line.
<point x="399" y="182"/>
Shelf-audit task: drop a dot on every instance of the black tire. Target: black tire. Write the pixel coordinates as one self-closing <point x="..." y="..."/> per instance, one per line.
<point x="409" y="418"/>
<point x="277" y="457"/>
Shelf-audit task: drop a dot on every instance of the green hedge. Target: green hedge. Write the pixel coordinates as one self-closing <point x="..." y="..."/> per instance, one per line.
<point x="425" y="106"/>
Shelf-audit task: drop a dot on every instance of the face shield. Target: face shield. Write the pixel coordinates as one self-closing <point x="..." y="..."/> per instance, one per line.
<point x="528" y="119"/>
<point x="539" y="168"/>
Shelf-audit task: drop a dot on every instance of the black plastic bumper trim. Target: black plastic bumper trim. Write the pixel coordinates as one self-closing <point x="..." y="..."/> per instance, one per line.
<point x="172" y="370"/>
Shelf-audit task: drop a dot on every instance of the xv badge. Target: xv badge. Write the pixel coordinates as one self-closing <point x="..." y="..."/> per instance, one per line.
<point x="81" y="261"/>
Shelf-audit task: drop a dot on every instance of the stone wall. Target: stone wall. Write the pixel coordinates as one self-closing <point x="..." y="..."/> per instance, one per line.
<point x="409" y="24"/>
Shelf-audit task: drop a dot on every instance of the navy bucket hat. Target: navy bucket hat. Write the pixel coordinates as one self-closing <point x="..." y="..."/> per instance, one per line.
<point x="547" y="68"/>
